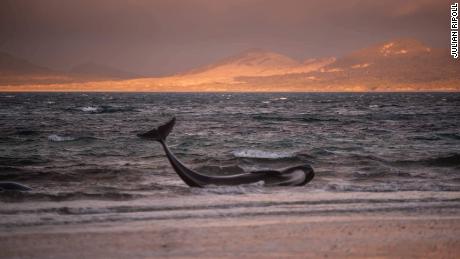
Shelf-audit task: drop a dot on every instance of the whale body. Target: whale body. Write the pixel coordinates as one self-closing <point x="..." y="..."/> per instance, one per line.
<point x="291" y="176"/>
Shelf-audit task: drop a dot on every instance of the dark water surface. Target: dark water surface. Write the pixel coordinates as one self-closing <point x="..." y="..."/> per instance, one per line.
<point x="83" y="147"/>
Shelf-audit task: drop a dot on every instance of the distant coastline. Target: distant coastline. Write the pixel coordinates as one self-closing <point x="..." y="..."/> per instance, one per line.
<point x="400" y="65"/>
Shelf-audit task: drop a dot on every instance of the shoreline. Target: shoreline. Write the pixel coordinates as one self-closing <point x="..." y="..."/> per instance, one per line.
<point x="353" y="235"/>
<point x="430" y="91"/>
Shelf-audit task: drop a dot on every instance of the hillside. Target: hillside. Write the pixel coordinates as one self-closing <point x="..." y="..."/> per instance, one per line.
<point x="250" y="63"/>
<point x="403" y="64"/>
<point x="17" y="71"/>
<point x="396" y="65"/>
<point x="92" y="70"/>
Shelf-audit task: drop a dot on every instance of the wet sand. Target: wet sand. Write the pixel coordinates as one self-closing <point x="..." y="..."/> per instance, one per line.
<point x="396" y="235"/>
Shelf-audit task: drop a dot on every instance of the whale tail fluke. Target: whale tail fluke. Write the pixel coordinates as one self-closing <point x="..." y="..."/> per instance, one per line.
<point x="160" y="133"/>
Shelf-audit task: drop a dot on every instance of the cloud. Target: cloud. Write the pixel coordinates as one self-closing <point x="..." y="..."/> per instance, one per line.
<point x="144" y="35"/>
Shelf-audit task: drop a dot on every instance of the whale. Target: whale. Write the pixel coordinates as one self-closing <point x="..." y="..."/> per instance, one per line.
<point x="13" y="186"/>
<point x="296" y="175"/>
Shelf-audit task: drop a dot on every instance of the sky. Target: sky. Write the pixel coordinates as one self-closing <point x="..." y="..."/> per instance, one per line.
<point x="162" y="37"/>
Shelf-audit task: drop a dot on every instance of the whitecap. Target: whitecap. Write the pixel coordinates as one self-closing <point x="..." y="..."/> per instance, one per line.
<point x="89" y="109"/>
<point x="349" y="112"/>
<point x="57" y="138"/>
<point x="254" y="153"/>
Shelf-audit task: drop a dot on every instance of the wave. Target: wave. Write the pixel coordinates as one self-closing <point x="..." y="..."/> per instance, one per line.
<point x="449" y="135"/>
<point x="14" y="196"/>
<point x="254" y="153"/>
<point x="23" y="176"/>
<point x="19" y="131"/>
<point x="263" y="117"/>
<point x="451" y="160"/>
<point x="426" y="138"/>
<point x="90" y="109"/>
<point x="373" y="174"/>
<point x="13" y="172"/>
<point x="257" y="187"/>
<point x="9" y="169"/>
<point x="106" y="109"/>
<point x="26" y="132"/>
<point x="392" y="187"/>
<point x="57" y="138"/>
<point x="60" y="138"/>
<point x="22" y="161"/>
<point x="442" y="161"/>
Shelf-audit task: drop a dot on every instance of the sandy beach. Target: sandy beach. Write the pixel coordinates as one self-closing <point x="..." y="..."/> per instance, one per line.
<point x="396" y="235"/>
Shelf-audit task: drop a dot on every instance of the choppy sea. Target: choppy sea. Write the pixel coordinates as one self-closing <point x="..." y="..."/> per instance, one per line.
<point x="80" y="155"/>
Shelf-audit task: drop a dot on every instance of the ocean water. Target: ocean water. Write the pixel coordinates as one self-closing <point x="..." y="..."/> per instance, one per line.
<point x="80" y="154"/>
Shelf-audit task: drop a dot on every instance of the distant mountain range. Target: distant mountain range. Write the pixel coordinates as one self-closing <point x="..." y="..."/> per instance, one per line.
<point x="401" y="65"/>
<point x="397" y="65"/>
<point x="10" y="65"/>
<point x="252" y="63"/>
<point x="18" y="71"/>
<point x="99" y="71"/>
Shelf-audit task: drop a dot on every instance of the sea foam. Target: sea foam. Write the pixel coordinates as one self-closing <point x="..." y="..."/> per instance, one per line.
<point x="57" y="138"/>
<point x="90" y="109"/>
<point x="254" y="153"/>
